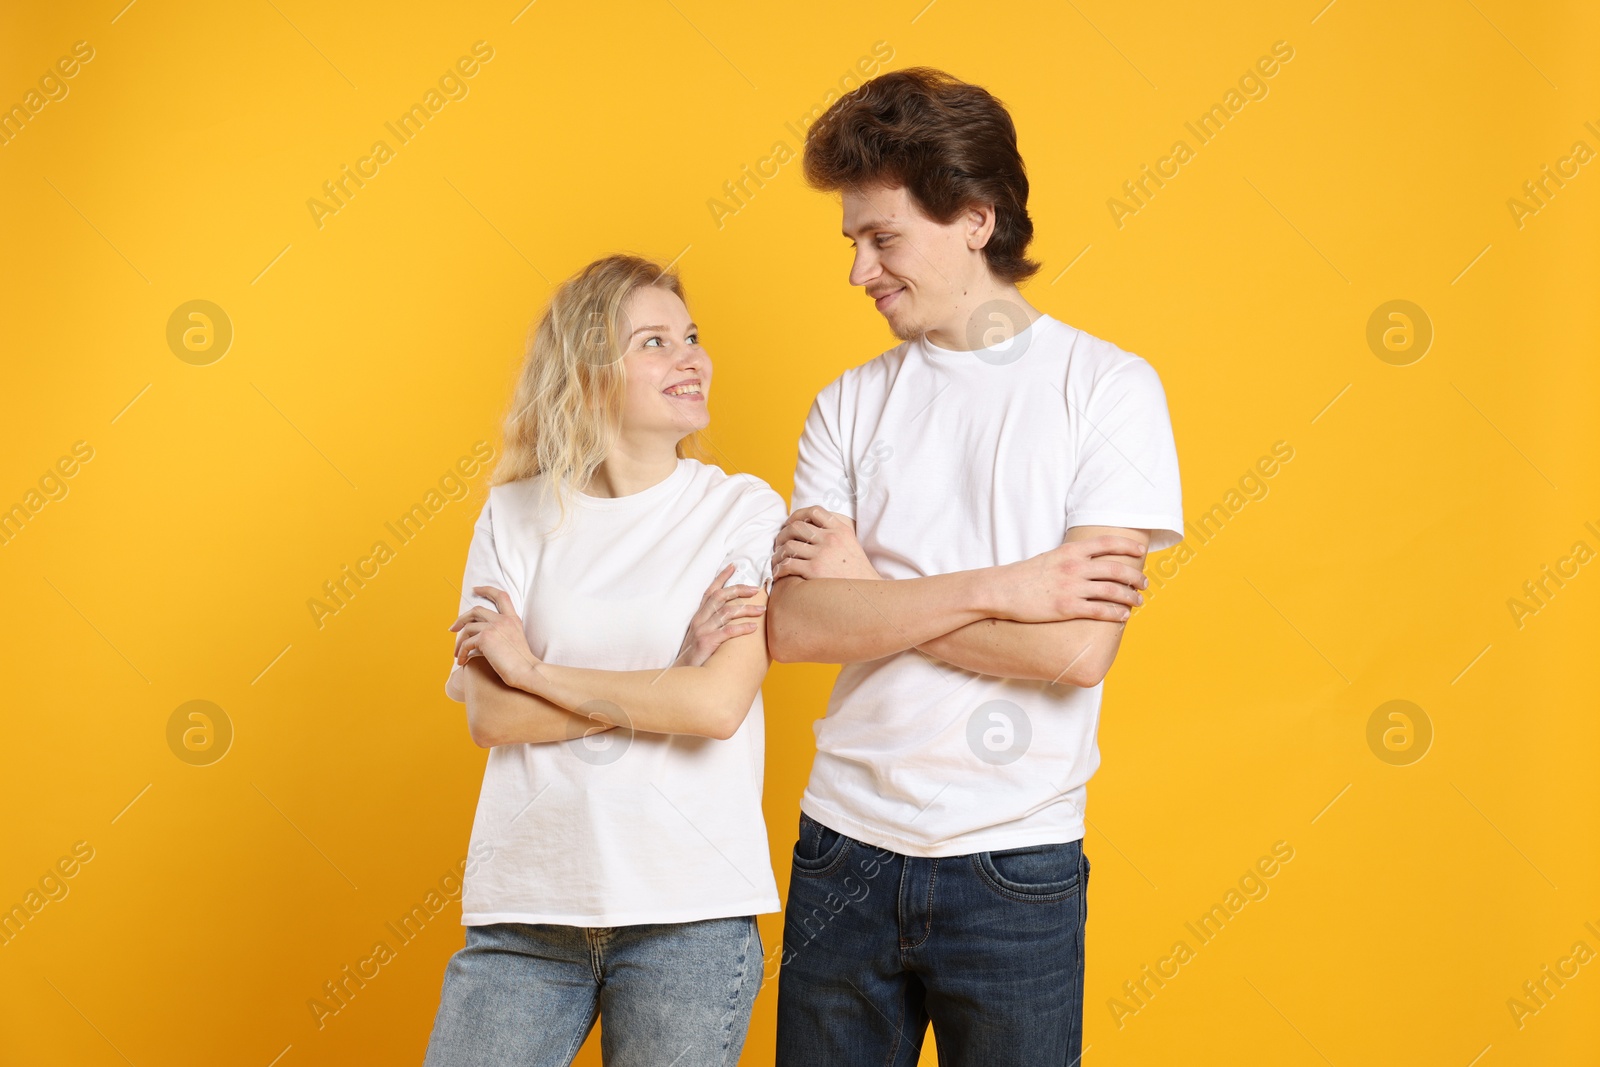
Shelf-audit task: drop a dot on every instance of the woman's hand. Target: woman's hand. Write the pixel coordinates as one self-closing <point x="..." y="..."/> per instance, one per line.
<point x="496" y="635"/>
<point x="717" y="619"/>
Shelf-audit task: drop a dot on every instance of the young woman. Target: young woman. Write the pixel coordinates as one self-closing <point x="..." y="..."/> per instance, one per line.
<point x="620" y="851"/>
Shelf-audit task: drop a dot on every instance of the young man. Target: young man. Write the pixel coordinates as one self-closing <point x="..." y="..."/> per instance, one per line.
<point x="971" y="513"/>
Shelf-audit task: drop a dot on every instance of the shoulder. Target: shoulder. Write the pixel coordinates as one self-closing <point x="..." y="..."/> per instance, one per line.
<point x="507" y="495"/>
<point x="865" y="377"/>
<point x="743" y="496"/>
<point x="511" y="505"/>
<point x="1095" y="364"/>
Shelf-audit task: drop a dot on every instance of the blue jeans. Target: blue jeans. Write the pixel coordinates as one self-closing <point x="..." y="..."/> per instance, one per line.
<point x="986" y="946"/>
<point x="670" y="993"/>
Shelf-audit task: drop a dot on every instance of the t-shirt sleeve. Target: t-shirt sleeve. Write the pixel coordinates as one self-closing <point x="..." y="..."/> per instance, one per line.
<point x="484" y="567"/>
<point x="749" y="544"/>
<point x="1127" y="471"/>
<point x="821" y="475"/>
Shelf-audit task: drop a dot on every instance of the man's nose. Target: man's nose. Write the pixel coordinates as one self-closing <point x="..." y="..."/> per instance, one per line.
<point x="864" y="268"/>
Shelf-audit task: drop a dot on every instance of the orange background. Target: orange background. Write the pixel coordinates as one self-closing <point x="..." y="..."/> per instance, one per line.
<point x="369" y="353"/>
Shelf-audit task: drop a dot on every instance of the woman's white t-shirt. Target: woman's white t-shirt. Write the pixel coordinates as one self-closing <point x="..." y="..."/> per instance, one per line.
<point x="621" y="828"/>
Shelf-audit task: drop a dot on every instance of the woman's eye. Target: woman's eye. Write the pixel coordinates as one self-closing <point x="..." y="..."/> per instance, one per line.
<point x="647" y="340"/>
<point x="694" y="339"/>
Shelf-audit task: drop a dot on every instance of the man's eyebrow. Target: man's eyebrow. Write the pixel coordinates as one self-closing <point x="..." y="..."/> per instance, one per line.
<point x="640" y="329"/>
<point x="876" y="224"/>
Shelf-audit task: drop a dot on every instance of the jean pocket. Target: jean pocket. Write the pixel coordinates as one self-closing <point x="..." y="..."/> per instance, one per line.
<point x="819" y="849"/>
<point x="1035" y="873"/>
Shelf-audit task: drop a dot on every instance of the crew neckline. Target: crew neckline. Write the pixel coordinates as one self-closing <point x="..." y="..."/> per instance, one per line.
<point x="993" y="356"/>
<point x="678" y="475"/>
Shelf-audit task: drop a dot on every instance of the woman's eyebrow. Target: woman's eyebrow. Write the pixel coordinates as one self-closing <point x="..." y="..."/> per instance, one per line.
<point x="640" y="329"/>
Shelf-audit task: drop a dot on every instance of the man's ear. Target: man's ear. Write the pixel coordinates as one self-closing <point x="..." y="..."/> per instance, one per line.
<point x="980" y="225"/>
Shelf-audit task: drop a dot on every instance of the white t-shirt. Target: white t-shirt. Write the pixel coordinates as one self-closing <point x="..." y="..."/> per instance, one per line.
<point x="619" y="829"/>
<point x="952" y="461"/>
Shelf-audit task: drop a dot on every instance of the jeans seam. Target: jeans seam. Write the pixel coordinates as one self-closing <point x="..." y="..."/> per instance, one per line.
<point x="737" y="989"/>
<point x="581" y="1032"/>
<point x="899" y="906"/>
<point x="899" y="1028"/>
<point x="1083" y="920"/>
<point x="927" y="925"/>
<point x="597" y="963"/>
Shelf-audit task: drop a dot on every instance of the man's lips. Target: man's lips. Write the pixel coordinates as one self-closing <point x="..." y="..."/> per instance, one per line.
<point x="886" y="299"/>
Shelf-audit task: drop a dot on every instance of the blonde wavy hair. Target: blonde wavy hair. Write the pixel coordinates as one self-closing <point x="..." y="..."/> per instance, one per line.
<point x="566" y="411"/>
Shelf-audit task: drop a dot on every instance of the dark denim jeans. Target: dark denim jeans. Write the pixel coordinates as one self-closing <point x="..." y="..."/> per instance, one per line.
<point x="987" y="946"/>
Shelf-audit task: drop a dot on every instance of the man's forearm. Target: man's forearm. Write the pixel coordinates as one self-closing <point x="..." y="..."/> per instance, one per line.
<point x="1067" y="651"/>
<point x="1071" y="652"/>
<point x="850" y="620"/>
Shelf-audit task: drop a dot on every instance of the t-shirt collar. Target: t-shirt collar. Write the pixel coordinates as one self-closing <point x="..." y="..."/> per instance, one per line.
<point x="1006" y="352"/>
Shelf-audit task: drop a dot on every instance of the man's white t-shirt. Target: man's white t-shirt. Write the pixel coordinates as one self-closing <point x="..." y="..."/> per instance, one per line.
<point x="951" y="461"/>
<point x="621" y="828"/>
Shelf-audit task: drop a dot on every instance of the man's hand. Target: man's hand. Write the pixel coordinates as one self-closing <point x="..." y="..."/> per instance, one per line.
<point x="816" y="543"/>
<point x="717" y="619"/>
<point x="496" y="635"/>
<point x="1073" y="581"/>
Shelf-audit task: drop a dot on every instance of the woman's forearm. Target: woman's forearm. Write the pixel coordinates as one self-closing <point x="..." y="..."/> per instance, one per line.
<point x="501" y="714"/>
<point x="708" y="701"/>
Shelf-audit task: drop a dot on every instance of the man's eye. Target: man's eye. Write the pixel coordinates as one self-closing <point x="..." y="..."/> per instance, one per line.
<point x="882" y="238"/>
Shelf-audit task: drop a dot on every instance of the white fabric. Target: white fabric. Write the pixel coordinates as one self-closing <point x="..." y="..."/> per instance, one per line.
<point x="951" y="461"/>
<point x="669" y="828"/>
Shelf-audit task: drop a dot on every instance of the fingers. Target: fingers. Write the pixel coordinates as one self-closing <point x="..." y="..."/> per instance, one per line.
<point x="742" y="611"/>
<point x="1103" y="611"/>
<point x="717" y="597"/>
<point x="717" y="621"/>
<point x="722" y="576"/>
<point x="799" y="530"/>
<point x="480" y="626"/>
<point x="1106" y="570"/>
<point x="794" y="550"/>
<point x="482" y="615"/>
<point x="470" y="625"/>
<point x="1112" y="545"/>
<point x="473" y="637"/>
<point x="1113" y="592"/>
<point x="502" y="599"/>
<point x="816" y="514"/>
<point x="466" y="616"/>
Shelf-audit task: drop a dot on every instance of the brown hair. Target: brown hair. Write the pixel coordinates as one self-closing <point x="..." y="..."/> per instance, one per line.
<point x="951" y="144"/>
<point x="567" y="407"/>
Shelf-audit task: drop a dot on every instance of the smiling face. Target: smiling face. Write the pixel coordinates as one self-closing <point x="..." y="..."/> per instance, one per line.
<point x="668" y="374"/>
<point x="923" y="276"/>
